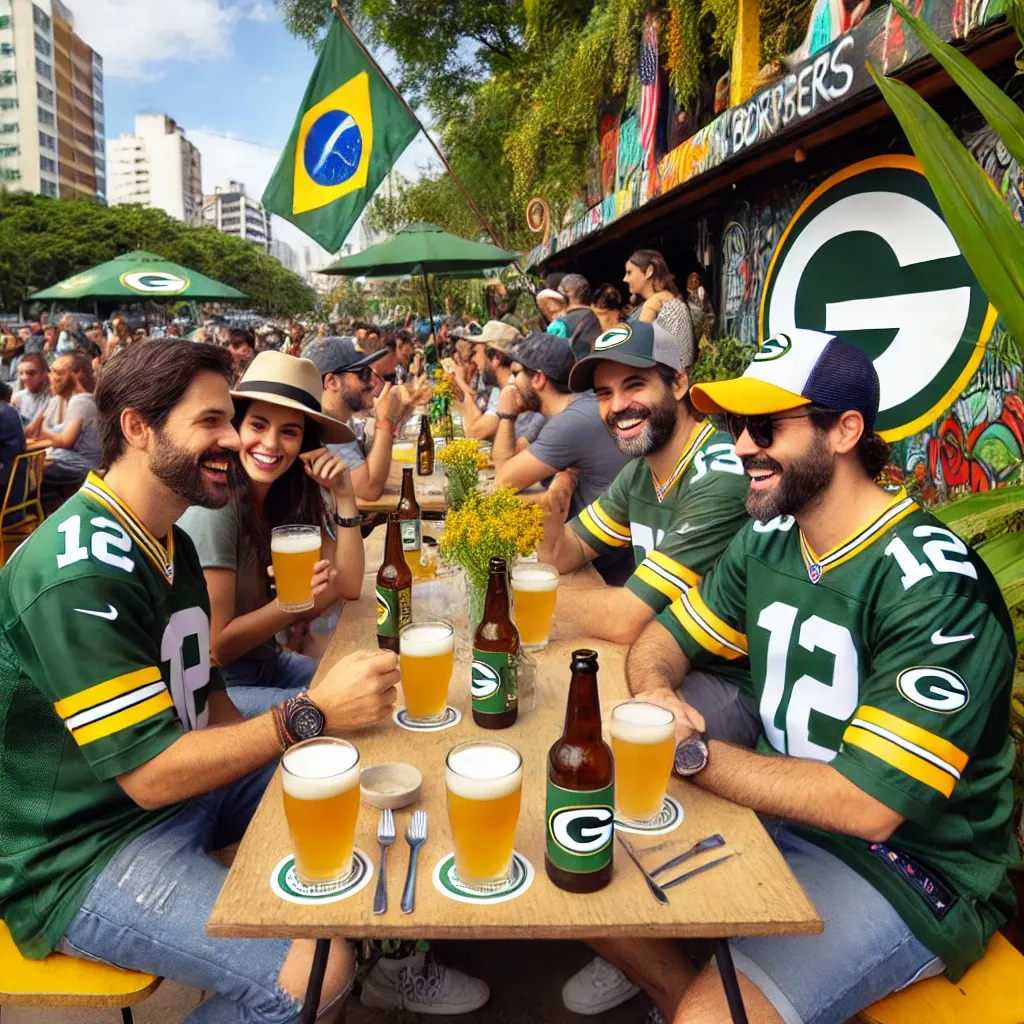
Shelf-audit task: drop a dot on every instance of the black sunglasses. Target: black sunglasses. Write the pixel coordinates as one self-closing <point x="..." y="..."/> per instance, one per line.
<point x="760" y="428"/>
<point x="364" y="373"/>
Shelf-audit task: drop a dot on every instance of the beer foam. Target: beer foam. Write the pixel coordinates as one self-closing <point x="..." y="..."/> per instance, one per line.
<point x="319" y="769"/>
<point x="638" y="722"/>
<point x="483" y="772"/>
<point x="534" y="579"/>
<point x="426" y="641"/>
<point x="294" y="543"/>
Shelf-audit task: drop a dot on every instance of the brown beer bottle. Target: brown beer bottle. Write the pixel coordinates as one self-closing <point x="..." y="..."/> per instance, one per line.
<point x="409" y="514"/>
<point x="494" y="681"/>
<point x="394" y="588"/>
<point x="581" y="789"/>
<point x="425" y="448"/>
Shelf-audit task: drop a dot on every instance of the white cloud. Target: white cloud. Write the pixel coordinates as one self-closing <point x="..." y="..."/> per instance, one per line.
<point x="136" y="36"/>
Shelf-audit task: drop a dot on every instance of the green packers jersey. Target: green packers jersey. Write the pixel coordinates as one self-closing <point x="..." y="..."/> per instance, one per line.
<point x="890" y="658"/>
<point x="104" y="662"/>
<point x="677" y="529"/>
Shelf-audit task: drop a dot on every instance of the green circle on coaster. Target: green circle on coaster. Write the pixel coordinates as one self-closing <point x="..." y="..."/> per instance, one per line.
<point x="446" y="881"/>
<point x="285" y="884"/>
<point x="669" y="818"/>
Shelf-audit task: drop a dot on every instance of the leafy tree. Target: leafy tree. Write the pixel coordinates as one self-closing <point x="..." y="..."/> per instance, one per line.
<point x="43" y="241"/>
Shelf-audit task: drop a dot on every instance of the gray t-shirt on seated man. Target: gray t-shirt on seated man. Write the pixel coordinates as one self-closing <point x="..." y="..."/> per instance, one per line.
<point x="85" y="454"/>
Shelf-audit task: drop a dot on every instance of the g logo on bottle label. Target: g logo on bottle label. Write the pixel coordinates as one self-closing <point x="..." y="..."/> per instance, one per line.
<point x="583" y="830"/>
<point x="484" y="681"/>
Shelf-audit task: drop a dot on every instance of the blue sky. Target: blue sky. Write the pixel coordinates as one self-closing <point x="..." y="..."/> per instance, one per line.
<point x="226" y="70"/>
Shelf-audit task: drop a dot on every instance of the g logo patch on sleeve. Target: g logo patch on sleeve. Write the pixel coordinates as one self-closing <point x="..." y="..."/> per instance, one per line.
<point x="934" y="688"/>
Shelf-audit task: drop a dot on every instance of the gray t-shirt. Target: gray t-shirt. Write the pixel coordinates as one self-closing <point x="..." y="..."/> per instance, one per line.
<point x="30" y="403"/>
<point x="217" y="536"/>
<point x="86" y="452"/>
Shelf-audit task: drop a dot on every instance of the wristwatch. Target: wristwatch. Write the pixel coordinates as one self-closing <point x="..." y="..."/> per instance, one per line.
<point x="507" y="415"/>
<point x="298" y="719"/>
<point x="691" y="756"/>
<point x="347" y="520"/>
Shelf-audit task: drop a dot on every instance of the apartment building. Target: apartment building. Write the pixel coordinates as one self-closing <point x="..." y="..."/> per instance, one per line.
<point x="52" y="134"/>
<point x="157" y="166"/>
<point x="232" y="211"/>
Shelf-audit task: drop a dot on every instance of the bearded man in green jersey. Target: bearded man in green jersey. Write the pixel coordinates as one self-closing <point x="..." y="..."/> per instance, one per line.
<point x="124" y="762"/>
<point x="880" y="654"/>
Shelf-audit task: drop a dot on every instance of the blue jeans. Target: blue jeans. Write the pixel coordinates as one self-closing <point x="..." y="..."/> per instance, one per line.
<point x="256" y="684"/>
<point x="865" y="952"/>
<point x="148" y="908"/>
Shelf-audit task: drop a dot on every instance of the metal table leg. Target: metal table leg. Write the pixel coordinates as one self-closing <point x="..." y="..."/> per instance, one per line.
<point x="727" y="972"/>
<point x="316" y="982"/>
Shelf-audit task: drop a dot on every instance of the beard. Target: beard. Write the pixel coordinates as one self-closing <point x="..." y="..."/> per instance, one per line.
<point x="488" y="377"/>
<point x="660" y="424"/>
<point x="530" y="397"/>
<point x="796" y="486"/>
<point x="180" y="470"/>
<point x="355" y="398"/>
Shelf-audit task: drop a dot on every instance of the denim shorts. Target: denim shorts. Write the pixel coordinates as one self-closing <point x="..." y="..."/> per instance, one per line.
<point x="865" y="952"/>
<point x="148" y="908"/>
<point x="256" y="684"/>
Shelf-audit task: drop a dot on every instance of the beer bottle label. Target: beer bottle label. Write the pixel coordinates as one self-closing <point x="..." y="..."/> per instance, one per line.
<point x="581" y="827"/>
<point x="394" y="610"/>
<point x="410" y="534"/>
<point x="426" y="463"/>
<point x="494" y="682"/>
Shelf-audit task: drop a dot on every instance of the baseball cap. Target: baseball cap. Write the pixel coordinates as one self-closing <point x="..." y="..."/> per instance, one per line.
<point x="637" y="344"/>
<point x="799" y="367"/>
<point x="498" y="335"/>
<point x="336" y="355"/>
<point x="546" y="353"/>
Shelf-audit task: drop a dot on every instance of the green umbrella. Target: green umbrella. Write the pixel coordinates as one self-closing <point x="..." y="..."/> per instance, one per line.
<point x="139" y="275"/>
<point x="423" y="248"/>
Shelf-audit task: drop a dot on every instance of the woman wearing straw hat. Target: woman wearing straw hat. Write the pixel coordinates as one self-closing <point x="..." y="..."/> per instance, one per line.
<point x="283" y="476"/>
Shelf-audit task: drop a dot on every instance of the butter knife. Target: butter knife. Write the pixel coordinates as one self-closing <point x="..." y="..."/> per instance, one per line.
<point x="656" y="890"/>
<point x="696" y="871"/>
<point x="711" y="843"/>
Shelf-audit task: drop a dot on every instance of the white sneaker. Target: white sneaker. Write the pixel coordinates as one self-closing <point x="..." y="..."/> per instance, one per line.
<point x="420" y="987"/>
<point x="596" y="988"/>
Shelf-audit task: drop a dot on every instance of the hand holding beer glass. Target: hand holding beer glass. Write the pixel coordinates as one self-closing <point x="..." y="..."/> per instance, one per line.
<point x="644" y="744"/>
<point x="295" y="550"/>
<point x="427" y="654"/>
<point x="320" y="778"/>
<point x="534" y="588"/>
<point x="484" y="782"/>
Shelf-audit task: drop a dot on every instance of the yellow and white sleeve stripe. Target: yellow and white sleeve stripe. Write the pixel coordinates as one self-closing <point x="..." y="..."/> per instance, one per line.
<point x="711" y="632"/>
<point x="666" y="575"/>
<point x="914" y="751"/>
<point x="117" y="704"/>
<point x="603" y="528"/>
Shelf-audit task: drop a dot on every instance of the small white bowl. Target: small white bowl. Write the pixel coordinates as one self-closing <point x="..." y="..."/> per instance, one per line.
<point x="391" y="785"/>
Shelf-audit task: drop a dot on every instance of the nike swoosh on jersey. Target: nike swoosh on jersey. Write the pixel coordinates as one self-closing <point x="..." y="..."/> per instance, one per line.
<point x="938" y="638"/>
<point x="109" y="615"/>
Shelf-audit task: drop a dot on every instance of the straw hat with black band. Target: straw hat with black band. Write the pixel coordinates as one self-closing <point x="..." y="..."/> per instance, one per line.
<point x="291" y="383"/>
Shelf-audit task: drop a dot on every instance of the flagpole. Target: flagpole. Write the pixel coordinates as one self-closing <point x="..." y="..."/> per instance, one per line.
<point x="401" y="99"/>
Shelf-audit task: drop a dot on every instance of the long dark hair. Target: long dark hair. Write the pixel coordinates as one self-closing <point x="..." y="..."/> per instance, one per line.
<point x="292" y="499"/>
<point x="661" y="277"/>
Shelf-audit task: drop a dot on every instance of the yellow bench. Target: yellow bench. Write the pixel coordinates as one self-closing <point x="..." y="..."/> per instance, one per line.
<point x="61" y="980"/>
<point x="991" y="992"/>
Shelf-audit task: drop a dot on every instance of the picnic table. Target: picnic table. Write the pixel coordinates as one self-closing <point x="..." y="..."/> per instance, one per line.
<point x="753" y="894"/>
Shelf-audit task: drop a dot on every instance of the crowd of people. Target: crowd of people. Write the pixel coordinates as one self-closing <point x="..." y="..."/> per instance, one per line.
<point x="834" y="658"/>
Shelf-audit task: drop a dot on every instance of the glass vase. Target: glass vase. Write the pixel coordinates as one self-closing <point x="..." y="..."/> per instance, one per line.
<point x="475" y="596"/>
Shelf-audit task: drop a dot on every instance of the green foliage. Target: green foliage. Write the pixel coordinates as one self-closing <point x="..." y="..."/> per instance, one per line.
<point x="43" y="241"/>
<point x="721" y="359"/>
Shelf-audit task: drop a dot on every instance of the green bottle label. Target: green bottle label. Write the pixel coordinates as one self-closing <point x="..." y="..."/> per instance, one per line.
<point x="394" y="610"/>
<point x="410" y="534"/>
<point x="494" y="682"/>
<point x="581" y="827"/>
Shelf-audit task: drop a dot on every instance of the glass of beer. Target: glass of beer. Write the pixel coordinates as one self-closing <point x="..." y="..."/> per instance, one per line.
<point x="426" y="653"/>
<point x="534" y="587"/>
<point x="484" y="782"/>
<point x="644" y="745"/>
<point x="294" y="551"/>
<point x="321" y="803"/>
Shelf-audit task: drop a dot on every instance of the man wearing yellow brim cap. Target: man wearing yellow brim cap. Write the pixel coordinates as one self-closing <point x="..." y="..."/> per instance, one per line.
<point x="880" y="656"/>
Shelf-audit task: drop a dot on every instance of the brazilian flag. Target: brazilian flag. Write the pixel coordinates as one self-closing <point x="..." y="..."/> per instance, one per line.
<point x="350" y="130"/>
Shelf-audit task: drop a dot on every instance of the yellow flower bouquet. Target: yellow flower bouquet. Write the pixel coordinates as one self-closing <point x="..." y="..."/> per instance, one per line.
<point x="461" y="461"/>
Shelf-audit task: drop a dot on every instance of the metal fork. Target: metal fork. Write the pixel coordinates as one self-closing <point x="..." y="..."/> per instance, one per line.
<point x="415" y="836"/>
<point x="385" y="838"/>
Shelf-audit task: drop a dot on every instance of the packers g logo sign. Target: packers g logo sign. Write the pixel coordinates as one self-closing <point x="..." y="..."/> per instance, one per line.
<point x="613" y="338"/>
<point x="869" y="256"/>
<point x="582" y="830"/>
<point x="484" y="680"/>
<point x="154" y="282"/>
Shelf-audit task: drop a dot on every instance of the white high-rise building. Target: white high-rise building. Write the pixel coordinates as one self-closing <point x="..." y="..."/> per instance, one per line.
<point x="233" y="212"/>
<point x="283" y="253"/>
<point x="157" y="166"/>
<point x="51" y="103"/>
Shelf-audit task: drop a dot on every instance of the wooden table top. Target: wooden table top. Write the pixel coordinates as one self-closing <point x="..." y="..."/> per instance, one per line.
<point x="429" y="491"/>
<point x="754" y="894"/>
